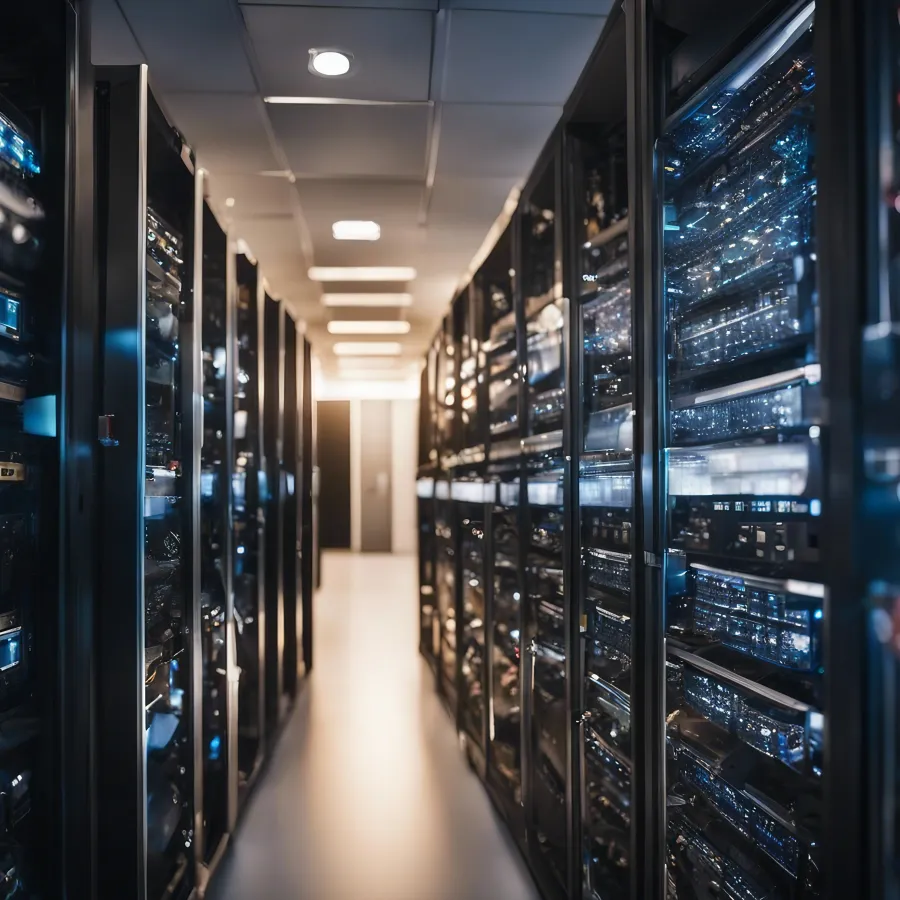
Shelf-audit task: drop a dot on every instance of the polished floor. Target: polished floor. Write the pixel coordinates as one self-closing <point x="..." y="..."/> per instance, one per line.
<point x="368" y="796"/>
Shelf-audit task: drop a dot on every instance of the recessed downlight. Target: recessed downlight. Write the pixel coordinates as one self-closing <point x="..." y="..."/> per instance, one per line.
<point x="329" y="63"/>
<point x="340" y="326"/>
<point x="229" y="202"/>
<point x="367" y="348"/>
<point x="356" y="230"/>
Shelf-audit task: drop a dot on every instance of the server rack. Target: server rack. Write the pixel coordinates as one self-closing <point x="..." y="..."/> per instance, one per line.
<point x="49" y="299"/>
<point x="215" y="715"/>
<point x="545" y="535"/>
<point x="273" y="453"/>
<point x="597" y="277"/>
<point x="248" y="499"/>
<point x="428" y="463"/>
<point x="309" y="543"/>
<point x="148" y="620"/>
<point x="293" y="614"/>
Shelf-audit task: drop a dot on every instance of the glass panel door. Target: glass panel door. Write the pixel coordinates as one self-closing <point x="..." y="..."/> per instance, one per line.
<point x="168" y="540"/>
<point x="744" y="605"/>
<point x="506" y="694"/>
<point x="545" y="634"/>
<point x="470" y="512"/>
<point x="445" y="576"/>
<point x="214" y="538"/>
<point x="248" y="542"/>
<point x="606" y="470"/>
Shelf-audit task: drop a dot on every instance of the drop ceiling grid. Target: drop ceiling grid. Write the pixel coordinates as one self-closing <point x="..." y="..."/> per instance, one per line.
<point x="192" y="46"/>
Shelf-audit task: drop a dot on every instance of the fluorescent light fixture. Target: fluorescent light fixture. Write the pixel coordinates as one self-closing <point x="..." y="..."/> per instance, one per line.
<point x="329" y="63"/>
<point x="367" y="348"/>
<point x="376" y="327"/>
<point x="361" y="273"/>
<point x="342" y="101"/>
<point x="381" y="300"/>
<point x="355" y="230"/>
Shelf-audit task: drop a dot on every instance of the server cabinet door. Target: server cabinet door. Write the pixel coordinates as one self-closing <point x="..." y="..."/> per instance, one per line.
<point x="744" y="591"/>
<point x="46" y="574"/>
<point x="273" y="448"/>
<point x="604" y="432"/>
<point x="291" y="543"/>
<point x="470" y="512"/>
<point x="504" y="662"/>
<point x="215" y="536"/>
<point x="149" y="598"/>
<point x="445" y="629"/>
<point x="248" y="481"/>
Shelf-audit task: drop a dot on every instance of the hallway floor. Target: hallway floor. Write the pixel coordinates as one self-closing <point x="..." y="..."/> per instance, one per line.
<point x="367" y="795"/>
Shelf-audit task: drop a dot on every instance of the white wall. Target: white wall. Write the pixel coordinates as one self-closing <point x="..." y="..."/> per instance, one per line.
<point x="405" y="458"/>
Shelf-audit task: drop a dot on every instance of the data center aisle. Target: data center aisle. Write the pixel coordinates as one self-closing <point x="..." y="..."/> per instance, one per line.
<point x="367" y="794"/>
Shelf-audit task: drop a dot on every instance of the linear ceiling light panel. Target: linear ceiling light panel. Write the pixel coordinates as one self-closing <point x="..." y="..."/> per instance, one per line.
<point x="375" y="327"/>
<point x="342" y="101"/>
<point x="355" y="230"/>
<point x="384" y="300"/>
<point x="362" y="273"/>
<point x="368" y="348"/>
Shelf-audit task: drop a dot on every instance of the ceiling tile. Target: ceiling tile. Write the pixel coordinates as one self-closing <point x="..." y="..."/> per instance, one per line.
<point x="194" y="46"/>
<point x="471" y="203"/>
<point x="227" y="131"/>
<point x="368" y="141"/>
<point x="501" y="57"/>
<point x="493" y="141"/>
<point x="563" y="7"/>
<point x="391" y="51"/>
<point x="254" y="195"/>
<point x="112" y="43"/>
<point x="393" y="204"/>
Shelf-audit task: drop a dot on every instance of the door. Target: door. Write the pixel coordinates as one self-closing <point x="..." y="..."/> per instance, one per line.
<point x="375" y="476"/>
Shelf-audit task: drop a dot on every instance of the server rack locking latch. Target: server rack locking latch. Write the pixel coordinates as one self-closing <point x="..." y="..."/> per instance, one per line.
<point x="106" y="426"/>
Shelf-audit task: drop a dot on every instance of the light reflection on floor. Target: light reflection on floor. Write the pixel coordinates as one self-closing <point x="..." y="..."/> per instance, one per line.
<point x="368" y="795"/>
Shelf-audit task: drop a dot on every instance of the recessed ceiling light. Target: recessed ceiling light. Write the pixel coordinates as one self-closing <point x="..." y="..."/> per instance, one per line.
<point x="366" y="300"/>
<point x="329" y="63"/>
<point x="229" y="202"/>
<point x="356" y="230"/>
<point x="376" y="327"/>
<point x="362" y="273"/>
<point x="367" y="348"/>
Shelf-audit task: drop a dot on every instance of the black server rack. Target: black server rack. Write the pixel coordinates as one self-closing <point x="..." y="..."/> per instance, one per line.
<point x="46" y="518"/>
<point x="248" y="524"/>
<point x="292" y="612"/>
<point x="742" y="577"/>
<point x="544" y="535"/>
<point x="427" y="470"/>
<point x="273" y="455"/>
<point x="309" y="540"/>
<point x="503" y="570"/>
<point x="597" y="277"/>
<point x="214" y="743"/>
<point x="445" y="536"/>
<point x="426" y="537"/>
<point x="148" y="619"/>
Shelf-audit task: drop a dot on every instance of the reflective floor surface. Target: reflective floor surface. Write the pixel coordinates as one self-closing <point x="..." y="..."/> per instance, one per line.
<point x="367" y="794"/>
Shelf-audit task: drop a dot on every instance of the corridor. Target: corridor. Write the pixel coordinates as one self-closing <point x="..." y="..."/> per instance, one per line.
<point x="367" y="796"/>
